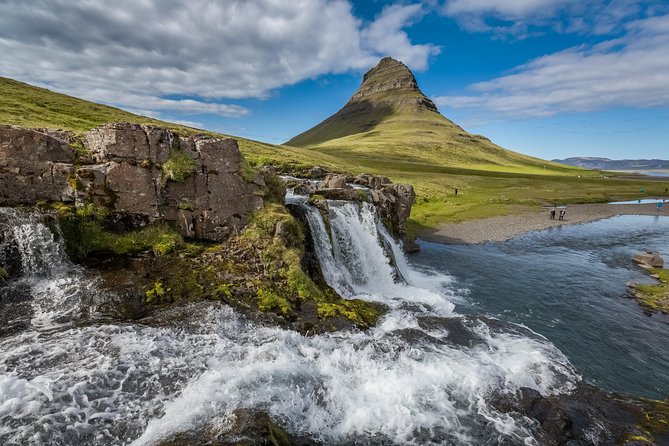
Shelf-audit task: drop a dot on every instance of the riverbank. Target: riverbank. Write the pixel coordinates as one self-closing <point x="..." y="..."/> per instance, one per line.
<point x="505" y="227"/>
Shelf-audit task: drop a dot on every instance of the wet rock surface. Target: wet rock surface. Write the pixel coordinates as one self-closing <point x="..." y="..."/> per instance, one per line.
<point x="244" y="428"/>
<point x="393" y="201"/>
<point x="649" y="259"/>
<point x="141" y="173"/>
<point x="590" y="416"/>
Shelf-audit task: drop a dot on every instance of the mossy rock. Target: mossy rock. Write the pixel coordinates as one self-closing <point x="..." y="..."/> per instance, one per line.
<point x="179" y="166"/>
<point x="654" y="298"/>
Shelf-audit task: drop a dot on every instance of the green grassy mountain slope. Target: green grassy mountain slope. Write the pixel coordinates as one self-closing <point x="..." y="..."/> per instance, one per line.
<point x="34" y="107"/>
<point x="390" y="117"/>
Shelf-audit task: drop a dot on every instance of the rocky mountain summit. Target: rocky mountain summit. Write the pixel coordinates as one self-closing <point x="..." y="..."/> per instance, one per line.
<point x="390" y="82"/>
<point x="389" y="119"/>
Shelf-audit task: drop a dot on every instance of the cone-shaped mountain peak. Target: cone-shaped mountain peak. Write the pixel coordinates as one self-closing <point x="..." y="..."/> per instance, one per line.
<point x="389" y="118"/>
<point x="391" y="83"/>
<point x="389" y="90"/>
<point x="390" y="79"/>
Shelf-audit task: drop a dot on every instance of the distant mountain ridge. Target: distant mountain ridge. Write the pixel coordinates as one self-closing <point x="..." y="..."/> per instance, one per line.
<point x="609" y="164"/>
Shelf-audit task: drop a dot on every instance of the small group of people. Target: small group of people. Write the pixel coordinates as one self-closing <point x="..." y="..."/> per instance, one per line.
<point x="561" y="215"/>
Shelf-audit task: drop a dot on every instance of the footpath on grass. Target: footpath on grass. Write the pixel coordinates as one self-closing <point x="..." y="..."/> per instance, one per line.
<point x="505" y="227"/>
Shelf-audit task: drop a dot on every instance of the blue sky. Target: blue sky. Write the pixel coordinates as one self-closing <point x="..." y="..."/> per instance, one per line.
<point x="550" y="78"/>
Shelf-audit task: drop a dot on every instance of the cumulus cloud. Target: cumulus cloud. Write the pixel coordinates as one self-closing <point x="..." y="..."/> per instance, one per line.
<point x="385" y="36"/>
<point x="521" y="18"/>
<point x="632" y="71"/>
<point x="189" y="56"/>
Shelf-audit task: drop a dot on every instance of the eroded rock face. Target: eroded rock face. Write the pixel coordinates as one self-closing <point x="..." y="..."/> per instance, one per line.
<point x="33" y="166"/>
<point x="124" y="173"/>
<point x="122" y="141"/>
<point x="387" y="77"/>
<point x="334" y="181"/>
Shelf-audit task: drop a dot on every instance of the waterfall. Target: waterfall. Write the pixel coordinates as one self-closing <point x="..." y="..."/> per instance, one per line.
<point x="359" y="258"/>
<point x="423" y="375"/>
<point x="36" y="259"/>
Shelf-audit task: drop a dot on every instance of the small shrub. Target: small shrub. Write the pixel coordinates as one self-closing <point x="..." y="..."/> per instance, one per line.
<point x="223" y="291"/>
<point x="248" y="172"/>
<point x="275" y="190"/>
<point x="156" y="294"/>
<point x="186" y="206"/>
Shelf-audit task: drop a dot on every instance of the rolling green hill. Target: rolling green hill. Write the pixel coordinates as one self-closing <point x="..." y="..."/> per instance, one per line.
<point x="33" y="107"/>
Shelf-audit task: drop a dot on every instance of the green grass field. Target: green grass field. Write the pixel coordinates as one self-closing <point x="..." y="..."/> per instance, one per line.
<point x="491" y="180"/>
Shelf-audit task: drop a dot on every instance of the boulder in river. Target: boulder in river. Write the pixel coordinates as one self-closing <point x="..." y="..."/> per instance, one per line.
<point x="334" y="181"/>
<point x="649" y="259"/>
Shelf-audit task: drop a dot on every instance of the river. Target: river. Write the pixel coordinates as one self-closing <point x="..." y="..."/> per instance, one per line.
<point x="458" y="332"/>
<point x="569" y="283"/>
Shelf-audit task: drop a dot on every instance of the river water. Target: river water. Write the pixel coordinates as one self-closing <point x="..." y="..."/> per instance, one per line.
<point x="568" y="283"/>
<point x="428" y="373"/>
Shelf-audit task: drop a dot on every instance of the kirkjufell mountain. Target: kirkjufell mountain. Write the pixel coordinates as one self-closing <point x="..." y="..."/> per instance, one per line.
<point x="390" y="115"/>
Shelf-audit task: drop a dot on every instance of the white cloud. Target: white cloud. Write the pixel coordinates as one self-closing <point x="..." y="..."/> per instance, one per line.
<point x="505" y="8"/>
<point x="188" y="56"/>
<point x="385" y="36"/>
<point x="632" y="71"/>
<point x="521" y="18"/>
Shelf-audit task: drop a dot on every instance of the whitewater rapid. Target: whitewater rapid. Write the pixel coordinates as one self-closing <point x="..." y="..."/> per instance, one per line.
<point x="423" y="375"/>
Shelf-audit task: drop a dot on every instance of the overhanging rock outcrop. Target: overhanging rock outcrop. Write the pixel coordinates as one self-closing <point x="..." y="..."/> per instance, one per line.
<point x="141" y="173"/>
<point x="393" y="201"/>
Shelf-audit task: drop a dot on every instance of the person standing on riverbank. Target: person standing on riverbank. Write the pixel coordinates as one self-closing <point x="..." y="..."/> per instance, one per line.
<point x="552" y="217"/>
<point x="562" y="214"/>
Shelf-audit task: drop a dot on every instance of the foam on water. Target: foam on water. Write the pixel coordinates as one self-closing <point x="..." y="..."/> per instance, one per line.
<point x="423" y="375"/>
<point x="56" y="285"/>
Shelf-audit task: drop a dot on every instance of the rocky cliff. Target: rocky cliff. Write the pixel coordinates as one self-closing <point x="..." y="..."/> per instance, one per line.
<point x="141" y="173"/>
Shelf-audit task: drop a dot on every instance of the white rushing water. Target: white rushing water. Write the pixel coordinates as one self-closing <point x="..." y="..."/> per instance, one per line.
<point x="423" y="375"/>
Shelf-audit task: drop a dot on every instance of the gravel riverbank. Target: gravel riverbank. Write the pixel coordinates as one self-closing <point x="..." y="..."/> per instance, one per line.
<point x="497" y="229"/>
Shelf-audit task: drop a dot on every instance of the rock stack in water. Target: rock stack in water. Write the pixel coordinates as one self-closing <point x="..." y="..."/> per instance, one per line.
<point x="141" y="173"/>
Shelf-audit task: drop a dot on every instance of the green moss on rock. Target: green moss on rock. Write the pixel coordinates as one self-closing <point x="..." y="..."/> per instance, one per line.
<point x="359" y="312"/>
<point x="83" y="233"/>
<point x="654" y="298"/>
<point x="271" y="301"/>
<point x="653" y="425"/>
<point x="178" y="167"/>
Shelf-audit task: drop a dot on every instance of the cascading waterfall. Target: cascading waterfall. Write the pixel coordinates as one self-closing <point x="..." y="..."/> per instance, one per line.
<point x="54" y="284"/>
<point x="424" y="375"/>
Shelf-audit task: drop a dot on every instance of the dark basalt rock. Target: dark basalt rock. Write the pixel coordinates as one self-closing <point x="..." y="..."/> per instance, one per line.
<point x="586" y="416"/>
<point x="247" y="428"/>
<point x="123" y="171"/>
